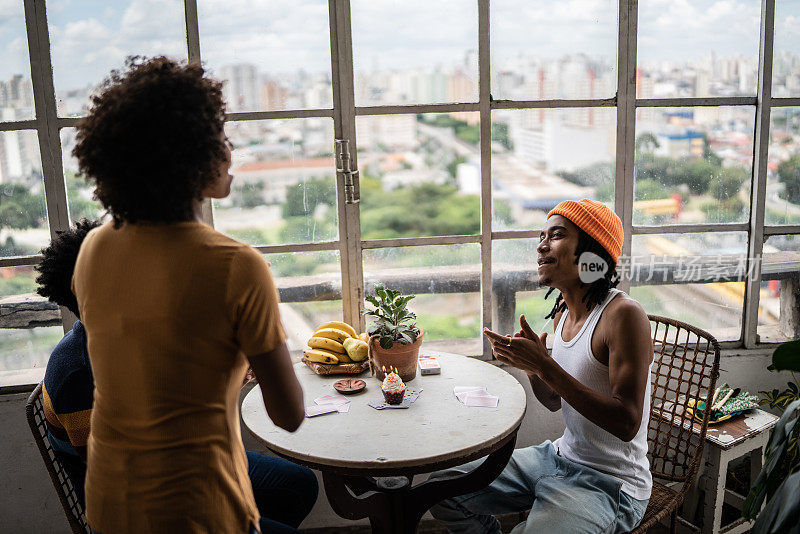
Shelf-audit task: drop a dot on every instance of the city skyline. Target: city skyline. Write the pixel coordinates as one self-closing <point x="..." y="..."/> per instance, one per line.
<point x="92" y="37"/>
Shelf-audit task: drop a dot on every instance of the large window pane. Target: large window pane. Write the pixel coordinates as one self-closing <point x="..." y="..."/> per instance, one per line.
<point x="783" y="169"/>
<point x="786" y="58"/>
<point x="700" y="48"/>
<point x="415" y="52"/>
<point x="23" y="215"/>
<point x="547" y="49"/>
<point x="543" y="156"/>
<point x="683" y="276"/>
<point x="17" y="280"/>
<point x="80" y="199"/>
<point x="309" y="284"/>
<point x="516" y="291"/>
<point x="284" y="183"/>
<point x="420" y="175"/>
<point x="693" y="164"/>
<point x="777" y="305"/>
<point x="27" y="348"/>
<point x="445" y="280"/>
<point x="16" y="91"/>
<point x="89" y="39"/>
<point x="270" y="55"/>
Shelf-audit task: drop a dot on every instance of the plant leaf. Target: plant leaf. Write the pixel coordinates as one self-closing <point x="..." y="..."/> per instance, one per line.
<point x="770" y="477"/>
<point x="782" y="512"/>
<point x="381" y="292"/>
<point x="787" y="356"/>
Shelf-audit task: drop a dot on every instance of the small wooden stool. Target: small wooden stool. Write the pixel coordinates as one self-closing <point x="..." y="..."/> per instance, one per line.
<point x="726" y="441"/>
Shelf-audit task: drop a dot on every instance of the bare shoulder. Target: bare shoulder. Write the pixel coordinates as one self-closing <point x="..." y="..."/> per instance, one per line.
<point x="627" y="326"/>
<point x="625" y="314"/>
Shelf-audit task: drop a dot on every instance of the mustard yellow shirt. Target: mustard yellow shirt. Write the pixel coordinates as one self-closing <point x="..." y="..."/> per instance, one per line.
<point x="171" y="312"/>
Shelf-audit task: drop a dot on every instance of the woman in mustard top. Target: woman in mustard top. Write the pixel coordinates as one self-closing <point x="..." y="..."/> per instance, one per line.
<point x="174" y="312"/>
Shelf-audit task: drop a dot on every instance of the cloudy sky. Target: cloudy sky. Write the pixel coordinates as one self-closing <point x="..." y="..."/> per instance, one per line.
<point x="89" y="37"/>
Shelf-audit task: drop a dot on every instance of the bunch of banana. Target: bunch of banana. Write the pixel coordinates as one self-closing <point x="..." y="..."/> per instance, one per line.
<point x="335" y="342"/>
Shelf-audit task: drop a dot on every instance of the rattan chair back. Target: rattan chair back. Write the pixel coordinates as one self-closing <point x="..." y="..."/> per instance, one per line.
<point x="34" y="410"/>
<point x="685" y="369"/>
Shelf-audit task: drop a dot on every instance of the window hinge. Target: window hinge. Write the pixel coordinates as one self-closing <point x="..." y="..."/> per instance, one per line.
<point x="352" y="193"/>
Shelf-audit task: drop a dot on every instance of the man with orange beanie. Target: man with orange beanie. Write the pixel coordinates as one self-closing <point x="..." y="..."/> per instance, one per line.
<point x="596" y="476"/>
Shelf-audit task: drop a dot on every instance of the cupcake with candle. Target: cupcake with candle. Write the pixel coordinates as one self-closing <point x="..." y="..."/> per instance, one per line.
<point x="393" y="387"/>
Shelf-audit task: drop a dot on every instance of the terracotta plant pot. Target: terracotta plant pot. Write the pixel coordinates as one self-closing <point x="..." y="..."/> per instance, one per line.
<point x="403" y="357"/>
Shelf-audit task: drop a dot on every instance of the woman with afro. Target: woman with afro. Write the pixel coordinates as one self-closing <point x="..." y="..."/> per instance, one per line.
<point x="174" y="312"/>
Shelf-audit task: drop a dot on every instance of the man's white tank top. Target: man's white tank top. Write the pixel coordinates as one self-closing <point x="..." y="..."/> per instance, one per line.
<point x="583" y="441"/>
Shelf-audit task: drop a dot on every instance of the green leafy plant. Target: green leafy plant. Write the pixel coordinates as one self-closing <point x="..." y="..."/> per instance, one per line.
<point x="785" y="358"/>
<point x="777" y="483"/>
<point x="393" y="321"/>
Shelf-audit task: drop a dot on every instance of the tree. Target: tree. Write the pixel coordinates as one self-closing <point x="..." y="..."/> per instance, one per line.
<point x="591" y="175"/>
<point x="604" y="192"/>
<point x="649" y="190"/>
<point x="303" y="197"/>
<point x="422" y="209"/>
<point x="728" y="184"/>
<point x="699" y="174"/>
<point x="249" y="195"/>
<point x="79" y="198"/>
<point x="646" y="142"/>
<point x="452" y="167"/>
<point x="709" y="154"/>
<point x="789" y="176"/>
<point x="20" y="209"/>
<point x="501" y="134"/>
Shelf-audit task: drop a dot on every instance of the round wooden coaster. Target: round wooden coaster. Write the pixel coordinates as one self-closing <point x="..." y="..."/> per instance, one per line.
<point x="348" y="386"/>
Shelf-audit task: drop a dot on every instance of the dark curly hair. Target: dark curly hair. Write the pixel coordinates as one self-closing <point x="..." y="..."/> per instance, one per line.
<point x="58" y="263"/>
<point x="598" y="290"/>
<point x="152" y="140"/>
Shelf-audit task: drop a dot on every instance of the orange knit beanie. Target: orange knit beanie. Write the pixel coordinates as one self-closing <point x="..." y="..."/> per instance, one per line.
<point x="597" y="220"/>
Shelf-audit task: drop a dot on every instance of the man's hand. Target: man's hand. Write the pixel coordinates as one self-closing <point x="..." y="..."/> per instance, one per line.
<point x="524" y="350"/>
<point x="535" y="348"/>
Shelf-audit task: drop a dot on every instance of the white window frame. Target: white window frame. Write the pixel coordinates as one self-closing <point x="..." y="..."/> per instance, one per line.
<point x="350" y="246"/>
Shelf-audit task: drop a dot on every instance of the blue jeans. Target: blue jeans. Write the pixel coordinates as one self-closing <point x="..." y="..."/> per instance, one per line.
<point x="562" y="496"/>
<point x="285" y="492"/>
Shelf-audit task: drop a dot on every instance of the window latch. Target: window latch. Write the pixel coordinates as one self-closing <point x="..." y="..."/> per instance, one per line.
<point x="352" y="193"/>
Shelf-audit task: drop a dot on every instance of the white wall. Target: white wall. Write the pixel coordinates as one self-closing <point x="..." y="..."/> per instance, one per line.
<point x="29" y="503"/>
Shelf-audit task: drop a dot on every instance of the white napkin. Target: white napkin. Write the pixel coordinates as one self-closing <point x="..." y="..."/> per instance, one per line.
<point x="475" y="396"/>
<point x="338" y="402"/>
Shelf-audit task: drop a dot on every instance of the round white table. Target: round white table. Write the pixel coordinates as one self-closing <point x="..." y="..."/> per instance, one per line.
<point x="436" y="432"/>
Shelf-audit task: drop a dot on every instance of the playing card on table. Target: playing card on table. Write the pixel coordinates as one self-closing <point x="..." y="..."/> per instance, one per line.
<point x="332" y="399"/>
<point x="488" y="401"/>
<point x="461" y="392"/>
<point x="412" y="394"/>
<point x="380" y="404"/>
<point x="312" y="411"/>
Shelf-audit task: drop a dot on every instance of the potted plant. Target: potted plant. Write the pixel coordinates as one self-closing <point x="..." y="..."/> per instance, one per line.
<point x="779" y="481"/>
<point x="395" y="338"/>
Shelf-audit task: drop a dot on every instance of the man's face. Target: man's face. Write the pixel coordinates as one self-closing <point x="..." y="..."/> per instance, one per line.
<point x="556" y="252"/>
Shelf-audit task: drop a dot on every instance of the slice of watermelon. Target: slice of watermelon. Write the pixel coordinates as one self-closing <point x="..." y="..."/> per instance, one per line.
<point x="349" y="386"/>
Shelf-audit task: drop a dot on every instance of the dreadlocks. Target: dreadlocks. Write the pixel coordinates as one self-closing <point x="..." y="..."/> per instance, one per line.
<point x="598" y="290"/>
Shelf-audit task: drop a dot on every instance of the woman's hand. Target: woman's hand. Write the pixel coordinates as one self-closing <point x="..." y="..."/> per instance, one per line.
<point x="524" y="350"/>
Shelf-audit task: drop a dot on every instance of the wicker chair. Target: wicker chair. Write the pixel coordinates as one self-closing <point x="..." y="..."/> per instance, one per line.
<point x="66" y="493"/>
<point x="686" y="367"/>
